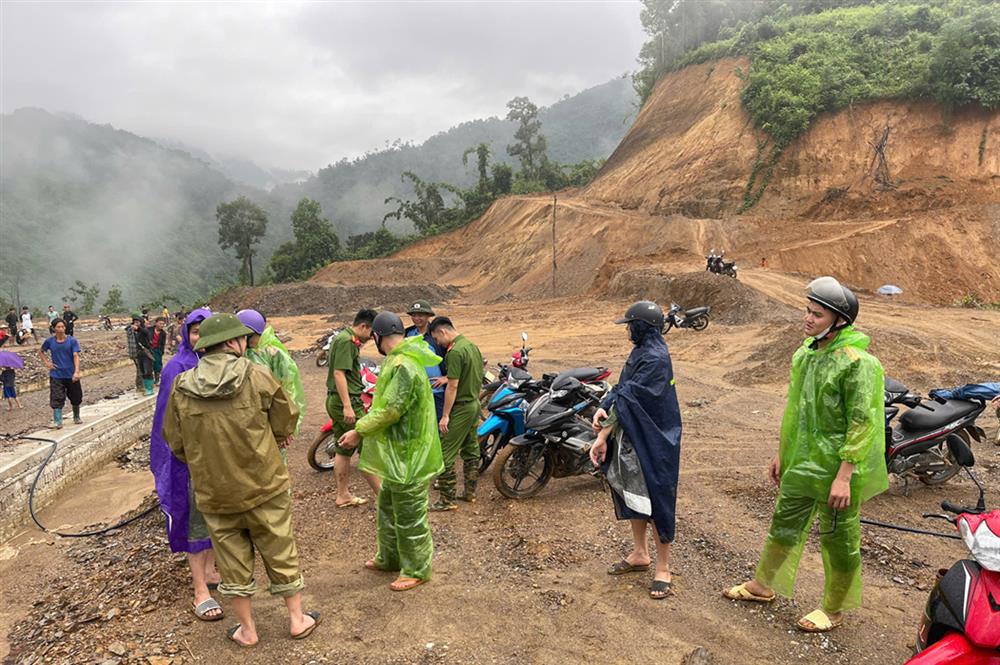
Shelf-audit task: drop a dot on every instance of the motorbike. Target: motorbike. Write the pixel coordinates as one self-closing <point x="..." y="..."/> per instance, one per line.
<point x="717" y="264"/>
<point x="919" y="446"/>
<point x="696" y="318"/>
<point x="558" y="437"/>
<point x="323" y="355"/>
<point x="106" y="323"/>
<point x="317" y="456"/>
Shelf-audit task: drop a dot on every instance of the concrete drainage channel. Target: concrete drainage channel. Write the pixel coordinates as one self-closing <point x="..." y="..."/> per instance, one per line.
<point x="110" y="428"/>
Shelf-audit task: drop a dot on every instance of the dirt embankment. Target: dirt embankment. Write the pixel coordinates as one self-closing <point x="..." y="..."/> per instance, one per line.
<point x="311" y="298"/>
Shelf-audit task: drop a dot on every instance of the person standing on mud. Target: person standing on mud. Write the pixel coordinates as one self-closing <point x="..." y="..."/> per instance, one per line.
<point x="264" y="348"/>
<point x="642" y="414"/>
<point x="53" y="315"/>
<point x="830" y="458"/>
<point x="11" y="320"/>
<point x="158" y="345"/>
<point x="420" y="313"/>
<point x="70" y="317"/>
<point x="344" y="405"/>
<point x="63" y="362"/>
<point x="460" y="413"/>
<point x="26" y="325"/>
<point x="186" y="529"/>
<point x="143" y="354"/>
<point x="224" y="419"/>
<point x="403" y="449"/>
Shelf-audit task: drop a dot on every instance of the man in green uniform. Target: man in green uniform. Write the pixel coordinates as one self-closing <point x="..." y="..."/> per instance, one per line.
<point x="343" y="402"/>
<point x="402" y="447"/>
<point x="830" y="459"/>
<point x="224" y="419"/>
<point x="461" y="412"/>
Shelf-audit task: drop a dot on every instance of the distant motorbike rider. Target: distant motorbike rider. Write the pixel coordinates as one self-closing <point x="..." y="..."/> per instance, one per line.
<point x="830" y="458"/>
<point x="642" y="415"/>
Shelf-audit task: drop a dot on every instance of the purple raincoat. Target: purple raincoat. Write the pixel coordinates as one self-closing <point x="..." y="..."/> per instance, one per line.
<point x="171" y="474"/>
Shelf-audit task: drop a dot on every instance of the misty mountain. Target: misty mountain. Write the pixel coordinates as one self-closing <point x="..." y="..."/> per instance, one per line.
<point x="240" y="169"/>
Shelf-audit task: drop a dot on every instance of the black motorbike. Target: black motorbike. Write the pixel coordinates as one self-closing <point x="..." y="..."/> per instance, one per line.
<point x="918" y="446"/>
<point x="695" y="318"/>
<point x="719" y="265"/>
<point x="558" y="438"/>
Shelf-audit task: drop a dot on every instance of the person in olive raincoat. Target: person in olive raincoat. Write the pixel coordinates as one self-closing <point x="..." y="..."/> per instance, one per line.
<point x="403" y="449"/>
<point x="830" y="459"/>
<point x="643" y="414"/>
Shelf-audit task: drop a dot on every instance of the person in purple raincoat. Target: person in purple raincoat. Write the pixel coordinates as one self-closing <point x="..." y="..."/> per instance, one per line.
<point x="186" y="529"/>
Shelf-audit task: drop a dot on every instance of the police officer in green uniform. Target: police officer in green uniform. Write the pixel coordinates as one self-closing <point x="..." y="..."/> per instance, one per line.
<point x="343" y="402"/>
<point x="461" y="412"/>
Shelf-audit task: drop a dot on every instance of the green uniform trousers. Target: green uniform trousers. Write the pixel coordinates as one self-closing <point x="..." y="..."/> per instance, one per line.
<point x="266" y="529"/>
<point x="402" y="529"/>
<point x="840" y="541"/>
<point x="340" y="428"/>
<point x="461" y="438"/>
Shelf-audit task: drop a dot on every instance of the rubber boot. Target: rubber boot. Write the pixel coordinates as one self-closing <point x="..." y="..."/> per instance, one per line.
<point x="148" y="386"/>
<point x="76" y="415"/>
<point x="57" y="418"/>
<point x="470" y="469"/>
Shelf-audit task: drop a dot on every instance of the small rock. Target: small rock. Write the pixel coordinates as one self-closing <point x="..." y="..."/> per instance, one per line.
<point x="117" y="648"/>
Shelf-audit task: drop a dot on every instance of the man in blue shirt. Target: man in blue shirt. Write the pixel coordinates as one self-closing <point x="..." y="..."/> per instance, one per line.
<point x="63" y="362"/>
<point x="421" y="314"/>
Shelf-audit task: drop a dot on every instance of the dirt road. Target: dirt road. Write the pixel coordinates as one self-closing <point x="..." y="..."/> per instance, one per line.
<point x="514" y="581"/>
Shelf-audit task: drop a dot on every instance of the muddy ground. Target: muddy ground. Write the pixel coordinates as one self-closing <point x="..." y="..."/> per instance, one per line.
<point x="514" y="581"/>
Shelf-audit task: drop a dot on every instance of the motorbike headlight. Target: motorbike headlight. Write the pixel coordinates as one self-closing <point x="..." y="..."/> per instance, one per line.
<point x="558" y="394"/>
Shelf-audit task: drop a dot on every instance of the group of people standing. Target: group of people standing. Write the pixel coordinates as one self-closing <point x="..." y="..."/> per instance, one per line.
<point x="231" y="401"/>
<point x="22" y="329"/>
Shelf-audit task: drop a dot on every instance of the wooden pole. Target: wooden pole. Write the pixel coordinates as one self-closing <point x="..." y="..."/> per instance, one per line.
<point x="554" y="201"/>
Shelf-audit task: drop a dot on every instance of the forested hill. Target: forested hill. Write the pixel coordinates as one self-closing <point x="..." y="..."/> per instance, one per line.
<point x="588" y="125"/>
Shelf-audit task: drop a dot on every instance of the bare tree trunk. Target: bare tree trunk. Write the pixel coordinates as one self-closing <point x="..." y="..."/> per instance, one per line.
<point x="250" y="264"/>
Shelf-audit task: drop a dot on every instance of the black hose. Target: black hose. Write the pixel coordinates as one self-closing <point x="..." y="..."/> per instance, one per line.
<point x="923" y="532"/>
<point x="34" y="483"/>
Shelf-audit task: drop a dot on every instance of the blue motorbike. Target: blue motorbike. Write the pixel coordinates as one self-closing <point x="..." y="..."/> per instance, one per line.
<point x="507" y="407"/>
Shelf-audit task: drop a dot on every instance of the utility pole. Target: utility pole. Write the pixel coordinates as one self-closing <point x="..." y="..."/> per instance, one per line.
<point x="554" y="201"/>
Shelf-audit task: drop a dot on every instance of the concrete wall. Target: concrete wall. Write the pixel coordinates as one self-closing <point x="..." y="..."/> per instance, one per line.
<point x="111" y="427"/>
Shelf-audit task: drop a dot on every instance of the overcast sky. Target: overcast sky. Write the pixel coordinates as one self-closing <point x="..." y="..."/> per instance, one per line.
<point x="300" y="85"/>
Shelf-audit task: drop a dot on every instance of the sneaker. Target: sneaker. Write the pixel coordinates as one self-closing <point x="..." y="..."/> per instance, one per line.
<point x="78" y="421"/>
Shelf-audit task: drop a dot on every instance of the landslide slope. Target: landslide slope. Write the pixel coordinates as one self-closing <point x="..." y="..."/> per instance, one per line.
<point x="927" y="218"/>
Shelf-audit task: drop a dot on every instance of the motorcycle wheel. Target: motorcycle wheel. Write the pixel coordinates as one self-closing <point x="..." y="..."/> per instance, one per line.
<point x="318" y="459"/>
<point x="508" y="479"/>
<point x="489" y="445"/>
<point x="322" y="358"/>
<point x="945" y="474"/>
<point x="700" y="323"/>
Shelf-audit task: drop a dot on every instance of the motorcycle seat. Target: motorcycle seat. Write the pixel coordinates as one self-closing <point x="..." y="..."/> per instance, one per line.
<point x="519" y="374"/>
<point x="936" y="415"/>
<point x="582" y="374"/>
<point x="893" y="386"/>
<point x="695" y="311"/>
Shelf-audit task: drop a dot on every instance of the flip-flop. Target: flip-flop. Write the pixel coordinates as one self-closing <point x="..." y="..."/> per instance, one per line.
<point x="356" y="501"/>
<point x="821" y="622"/>
<point x="407" y="584"/>
<point x="231" y="635"/>
<point x="308" y="631"/>
<point x="622" y="567"/>
<point x="660" y="587"/>
<point x="741" y="592"/>
<point x="212" y="586"/>
<point x="370" y="565"/>
<point x="202" y="609"/>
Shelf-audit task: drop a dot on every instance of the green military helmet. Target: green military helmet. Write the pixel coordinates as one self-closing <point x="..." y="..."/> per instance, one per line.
<point x="220" y="328"/>
<point x="421" y="307"/>
<point x="137" y="316"/>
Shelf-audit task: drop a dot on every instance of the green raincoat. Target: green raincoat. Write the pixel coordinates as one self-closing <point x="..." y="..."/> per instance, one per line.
<point x="402" y="448"/>
<point x="271" y="353"/>
<point x="834" y="414"/>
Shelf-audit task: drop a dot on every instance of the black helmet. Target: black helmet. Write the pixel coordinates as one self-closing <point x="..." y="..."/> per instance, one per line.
<point x="644" y="310"/>
<point x="828" y="292"/>
<point x="385" y="324"/>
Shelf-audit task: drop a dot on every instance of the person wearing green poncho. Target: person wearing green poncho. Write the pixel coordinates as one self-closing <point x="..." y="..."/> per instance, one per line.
<point x="830" y="458"/>
<point x="264" y="348"/>
<point x="403" y="449"/>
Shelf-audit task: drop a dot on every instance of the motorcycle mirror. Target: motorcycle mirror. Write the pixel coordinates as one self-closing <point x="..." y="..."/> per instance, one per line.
<point x="960" y="451"/>
<point x="524" y="336"/>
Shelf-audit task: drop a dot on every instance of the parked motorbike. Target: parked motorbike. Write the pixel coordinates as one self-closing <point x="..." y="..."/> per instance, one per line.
<point x="719" y="265"/>
<point x="318" y="458"/>
<point x="106" y="323"/>
<point x="695" y="318"/>
<point x="323" y="355"/>
<point x="558" y="437"/>
<point x="918" y="447"/>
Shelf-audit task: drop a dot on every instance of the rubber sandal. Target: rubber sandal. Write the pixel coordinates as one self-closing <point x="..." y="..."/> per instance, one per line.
<point x="741" y="592"/>
<point x="406" y="584"/>
<point x="308" y="631"/>
<point x="622" y="567"/>
<point x="356" y="501"/>
<point x="212" y="586"/>
<point x="202" y="609"/>
<point x="231" y="635"/>
<point x="821" y="622"/>
<point x="660" y="587"/>
<point x="370" y="565"/>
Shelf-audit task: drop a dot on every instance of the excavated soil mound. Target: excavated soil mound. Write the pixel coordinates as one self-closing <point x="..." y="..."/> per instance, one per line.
<point x="732" y="303"/>
<point x="309" y="298"/>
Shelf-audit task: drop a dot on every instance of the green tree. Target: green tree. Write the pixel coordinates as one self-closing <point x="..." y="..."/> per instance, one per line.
<point x="428" y="212"/>
<point x="373" y="244"/>
<point x="242" y="223"/>
<point x="966" y="65"/>
<point x="530" y="145"/>
<point x="113" y="303"/>
<point x="315" y="244"/>
<point x="86" y="294"/>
